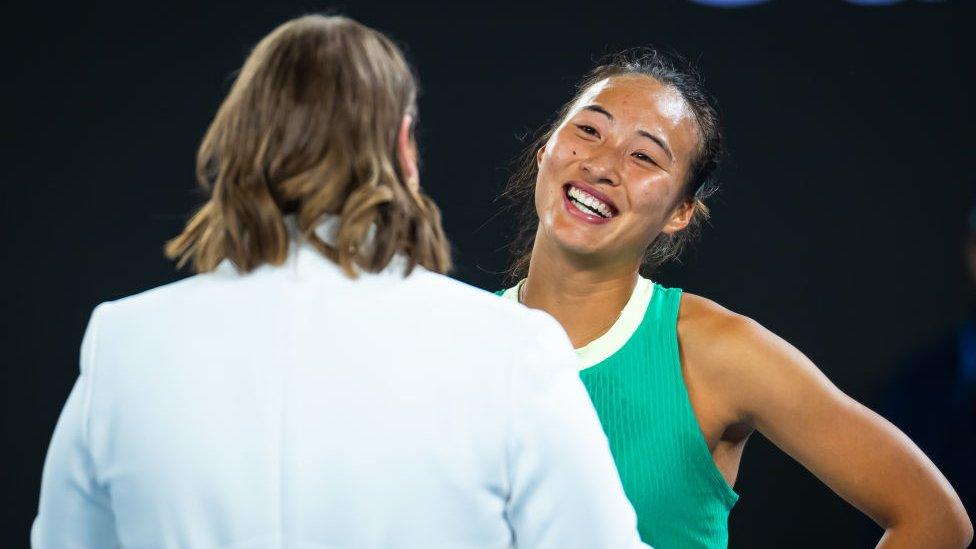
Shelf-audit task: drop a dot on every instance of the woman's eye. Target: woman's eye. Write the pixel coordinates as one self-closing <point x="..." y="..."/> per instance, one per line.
<point x="589" y="130"/>
<point x="644" y="158"/>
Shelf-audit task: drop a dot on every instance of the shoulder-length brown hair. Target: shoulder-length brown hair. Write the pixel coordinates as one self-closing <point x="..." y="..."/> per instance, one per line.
<point x="310" y="128"/>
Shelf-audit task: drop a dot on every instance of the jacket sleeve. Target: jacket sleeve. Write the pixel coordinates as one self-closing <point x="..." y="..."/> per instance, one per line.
<point x="74" y="511"/>
<point x="564" y="488"/>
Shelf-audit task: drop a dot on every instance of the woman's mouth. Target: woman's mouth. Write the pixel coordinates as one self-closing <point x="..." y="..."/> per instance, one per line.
<point x="585" y="204"/>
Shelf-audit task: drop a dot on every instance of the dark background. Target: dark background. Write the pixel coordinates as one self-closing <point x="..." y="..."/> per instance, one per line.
<point x="845" y="189"/>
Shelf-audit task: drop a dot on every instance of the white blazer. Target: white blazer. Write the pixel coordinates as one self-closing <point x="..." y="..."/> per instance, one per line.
<point x="294" y="407"/>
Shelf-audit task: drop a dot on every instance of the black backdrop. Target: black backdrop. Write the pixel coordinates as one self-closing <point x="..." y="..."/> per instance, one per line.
<point x="838" y="227"/>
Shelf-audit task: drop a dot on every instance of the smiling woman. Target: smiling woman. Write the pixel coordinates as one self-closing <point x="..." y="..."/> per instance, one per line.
<point x="681" y="96"/>
<point x="617" y="186"/>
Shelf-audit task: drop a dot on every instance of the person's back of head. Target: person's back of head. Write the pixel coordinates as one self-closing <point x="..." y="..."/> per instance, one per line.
<point x="318" y="122"/>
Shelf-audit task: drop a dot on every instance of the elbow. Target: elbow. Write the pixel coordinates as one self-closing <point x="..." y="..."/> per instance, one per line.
<point x="959" y="524"/>
<point x="942" y="526"/>
<point x="966" y="530"/>
<point x="951" y="529"/>
<point x="961" y="535"/>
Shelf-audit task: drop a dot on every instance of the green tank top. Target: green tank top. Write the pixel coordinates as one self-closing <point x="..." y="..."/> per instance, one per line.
<point x="667" y="471"/>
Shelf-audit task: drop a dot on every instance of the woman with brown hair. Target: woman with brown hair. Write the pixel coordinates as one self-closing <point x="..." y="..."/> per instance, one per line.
<point x="307" y="131"/>
<point x="319" y="382"/>
<point x="614" y="188"/>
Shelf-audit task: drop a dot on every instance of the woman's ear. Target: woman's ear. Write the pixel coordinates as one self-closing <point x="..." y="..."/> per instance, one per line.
<point x="680" y="217"/>
<point x="539" y="153"/>
<point x="407" y="153"/>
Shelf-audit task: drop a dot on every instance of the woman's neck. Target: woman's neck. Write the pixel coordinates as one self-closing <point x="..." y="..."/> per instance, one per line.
<point x="586" y="300"/>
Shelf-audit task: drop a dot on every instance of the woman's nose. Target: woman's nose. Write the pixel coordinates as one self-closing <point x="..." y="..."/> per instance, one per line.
<point x="601" y="167"/>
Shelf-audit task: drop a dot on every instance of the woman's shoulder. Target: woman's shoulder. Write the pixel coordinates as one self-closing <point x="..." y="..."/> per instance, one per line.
<point x="700" y="318"/>
<point x="718" y="342"/>
<point x="731" y="353"/>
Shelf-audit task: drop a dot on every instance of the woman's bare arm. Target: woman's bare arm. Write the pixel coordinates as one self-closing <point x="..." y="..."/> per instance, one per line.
<point x="862" y="457"/>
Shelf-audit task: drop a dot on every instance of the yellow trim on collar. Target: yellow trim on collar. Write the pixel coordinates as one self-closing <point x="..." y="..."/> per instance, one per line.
<point x="610" y="342"/>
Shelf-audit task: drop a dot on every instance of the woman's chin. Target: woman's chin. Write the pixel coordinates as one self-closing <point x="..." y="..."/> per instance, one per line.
<point x="586" y="248"/>
<point x="579" y="241"/>
<point x="581" y="245"/>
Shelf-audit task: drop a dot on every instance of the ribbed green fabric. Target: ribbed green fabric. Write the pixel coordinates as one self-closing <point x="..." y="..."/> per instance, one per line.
<point x="681" y="498"/>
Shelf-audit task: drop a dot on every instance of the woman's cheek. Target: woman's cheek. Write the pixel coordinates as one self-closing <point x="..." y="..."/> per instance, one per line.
<point x="643" y="199"/>
<point x="561" y="150"/>
<point x="551" y="173"/>
<point x="562" y="155"/>
<point x="648" y="203"/>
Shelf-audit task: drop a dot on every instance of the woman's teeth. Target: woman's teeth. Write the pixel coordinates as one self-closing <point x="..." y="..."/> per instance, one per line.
<point x="588" y="203"/>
